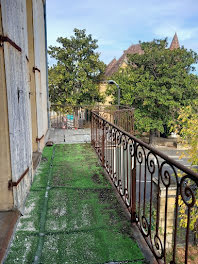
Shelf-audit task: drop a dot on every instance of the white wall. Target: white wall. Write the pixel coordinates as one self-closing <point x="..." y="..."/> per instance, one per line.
<point x="40" y="58"/>
<point x="16" y="68"/>
<point x="14" y="21"/>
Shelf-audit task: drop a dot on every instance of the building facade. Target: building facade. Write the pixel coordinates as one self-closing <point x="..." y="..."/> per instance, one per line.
<point x="23" y="96"/>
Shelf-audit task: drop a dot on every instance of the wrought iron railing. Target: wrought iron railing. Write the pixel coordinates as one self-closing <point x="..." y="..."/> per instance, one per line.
<point x="70" y="117"/>
<point x="121" y="116"/>
<point x="160" y="193"/>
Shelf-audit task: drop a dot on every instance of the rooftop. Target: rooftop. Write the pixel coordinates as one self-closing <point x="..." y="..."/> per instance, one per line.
<point x="114" y="65"/>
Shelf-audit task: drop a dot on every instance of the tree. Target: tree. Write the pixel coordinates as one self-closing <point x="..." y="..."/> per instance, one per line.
<point x="74" y="78"/>
<point x="157" y="83"/>
<point x="187" y="127"/>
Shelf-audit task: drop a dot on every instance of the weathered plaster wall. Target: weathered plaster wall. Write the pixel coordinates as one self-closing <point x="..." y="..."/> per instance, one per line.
<point x="32" y="74"/>
<point x="40" y="63"/>
<point x="102" y="89"/>
<point x="23" y="88"/>
<point x="17" y="82"/>
<point x="6" y="197"/>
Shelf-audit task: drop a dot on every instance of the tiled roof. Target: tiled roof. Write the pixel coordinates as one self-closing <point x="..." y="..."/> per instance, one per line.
<point x="114" y="65"/>
<point x="174" y="43"/>
<point x="110" y="66"/>
<point x="134" y="49"/>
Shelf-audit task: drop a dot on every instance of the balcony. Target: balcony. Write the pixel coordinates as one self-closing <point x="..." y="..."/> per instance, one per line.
<point x="82" y="211"/>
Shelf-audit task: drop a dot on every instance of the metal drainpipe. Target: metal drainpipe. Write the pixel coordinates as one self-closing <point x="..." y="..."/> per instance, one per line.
<point x="47" y="88"/>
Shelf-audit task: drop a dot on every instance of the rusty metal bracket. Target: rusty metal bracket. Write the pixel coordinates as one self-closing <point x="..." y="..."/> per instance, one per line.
<point x="12" y="43"/>
<point x="39" y="139"/>
<point x="36" y="69"/>
<point x="30" y="93"/>
<point x="11" y="183"/>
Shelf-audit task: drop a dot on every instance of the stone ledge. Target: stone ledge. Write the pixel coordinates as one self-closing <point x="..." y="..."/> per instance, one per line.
<point x="7" y="224"/>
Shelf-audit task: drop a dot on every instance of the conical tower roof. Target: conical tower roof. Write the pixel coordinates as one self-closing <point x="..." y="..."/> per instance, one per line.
<point x="174" y="43"/>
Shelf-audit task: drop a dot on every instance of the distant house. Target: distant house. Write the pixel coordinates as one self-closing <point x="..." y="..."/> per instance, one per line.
<point x="115" y="65"/>
<point x="23" y="97"/>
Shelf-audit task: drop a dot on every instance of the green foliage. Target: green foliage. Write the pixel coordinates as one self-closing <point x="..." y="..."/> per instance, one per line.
<point x="74" y="79"/>
<point x="183" y="213"/>
<point x="157" y="83"/>
<point x="187" y="127"/>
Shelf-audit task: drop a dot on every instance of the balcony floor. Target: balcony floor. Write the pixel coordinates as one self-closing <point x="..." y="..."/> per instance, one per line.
<point x="72" y="214"/>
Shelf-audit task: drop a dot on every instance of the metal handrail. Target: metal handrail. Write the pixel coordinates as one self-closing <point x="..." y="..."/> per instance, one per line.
<point x="152" y="185"/>
<point x="154" y="150"/>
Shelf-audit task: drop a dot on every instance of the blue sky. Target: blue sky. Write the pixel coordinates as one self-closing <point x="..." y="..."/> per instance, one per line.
<point x="119" y="23"/>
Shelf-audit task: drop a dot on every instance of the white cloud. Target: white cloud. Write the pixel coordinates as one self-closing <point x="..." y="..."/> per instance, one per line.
<point x="168" y="30"/>
<point x="117" y="24"/>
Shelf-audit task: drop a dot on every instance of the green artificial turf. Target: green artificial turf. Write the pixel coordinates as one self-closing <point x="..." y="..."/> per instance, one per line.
<point x="72" y="214"/>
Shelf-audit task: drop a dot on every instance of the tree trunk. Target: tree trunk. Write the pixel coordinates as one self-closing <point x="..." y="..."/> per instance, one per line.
<point x="151" y="137"/>
<point x="157" y="133"/>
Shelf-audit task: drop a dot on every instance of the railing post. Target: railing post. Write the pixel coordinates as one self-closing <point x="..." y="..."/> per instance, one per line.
<point x="133" y="188"/>
<point x="103" y="143"/>
<point x="96" y="125"/>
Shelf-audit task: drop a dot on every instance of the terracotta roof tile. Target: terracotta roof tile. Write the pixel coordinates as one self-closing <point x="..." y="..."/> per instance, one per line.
<point x="174" y="43"/>
<point x="110" y="66"/>
<point x="117" y="64"/>
<point x="114" y="65"/>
